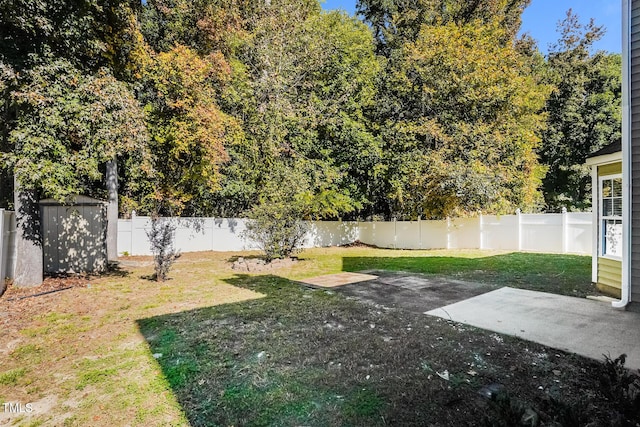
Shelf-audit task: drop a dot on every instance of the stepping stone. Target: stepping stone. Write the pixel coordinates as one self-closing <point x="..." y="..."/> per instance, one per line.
<point x="339" y="279"/>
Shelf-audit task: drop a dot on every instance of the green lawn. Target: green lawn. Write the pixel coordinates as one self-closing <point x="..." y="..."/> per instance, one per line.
<point x="214" y="347"/>
<point x="560" y="274"/>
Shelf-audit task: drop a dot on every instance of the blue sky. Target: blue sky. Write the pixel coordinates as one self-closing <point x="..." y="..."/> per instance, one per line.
<point x="541" y="18"/>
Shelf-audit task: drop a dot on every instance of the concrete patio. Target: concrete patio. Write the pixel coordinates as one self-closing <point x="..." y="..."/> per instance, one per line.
<point x="582" y="326"/>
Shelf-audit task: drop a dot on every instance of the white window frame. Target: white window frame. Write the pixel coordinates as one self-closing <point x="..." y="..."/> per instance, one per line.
<point x="602" y="218"/>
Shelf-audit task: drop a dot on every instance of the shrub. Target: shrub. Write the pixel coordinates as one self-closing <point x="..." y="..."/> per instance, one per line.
<point x="276" y="228"/>
<point x="161" y="239"/>
<point x="621" y="386"/>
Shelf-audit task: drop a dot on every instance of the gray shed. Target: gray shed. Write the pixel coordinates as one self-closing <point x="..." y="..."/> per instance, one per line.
<point x="74" y="235"/>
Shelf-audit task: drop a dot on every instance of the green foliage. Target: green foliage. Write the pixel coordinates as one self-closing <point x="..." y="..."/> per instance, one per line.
<point x="301" y="84"/>
<point x="584" y="112"/>
<point x="12" y="376"/>
<point x="67" y="125"/>
<point x="161" y="235"/>
<point x="188" y="130"/>
<point x="395" y="22"/>
<point x="275" y="223"/>
<point x="90" y="34"/>
<point x="276" y="229"/>
<point x="621" y="386"/>
<point x="462" y="124"/>
<point x="433" y="109"/>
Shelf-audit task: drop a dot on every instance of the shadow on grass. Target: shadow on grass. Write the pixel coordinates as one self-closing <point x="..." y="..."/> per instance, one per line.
<point x="303" y="357"/>
<point x="554" y="273"/>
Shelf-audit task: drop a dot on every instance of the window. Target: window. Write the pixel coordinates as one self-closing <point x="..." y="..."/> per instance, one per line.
<point x="611" y="216"/>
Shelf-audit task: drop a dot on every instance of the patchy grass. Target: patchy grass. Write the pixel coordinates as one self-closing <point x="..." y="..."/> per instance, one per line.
<point x="211" y="347"/>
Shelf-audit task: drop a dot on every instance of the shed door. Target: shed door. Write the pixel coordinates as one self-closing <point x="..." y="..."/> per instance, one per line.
<point x="74" y="239"/>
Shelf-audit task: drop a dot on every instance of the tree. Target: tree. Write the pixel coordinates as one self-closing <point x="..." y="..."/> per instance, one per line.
<point x="584" y="112"/>
<point x="395" y="22"/>
<point x="462" y="124"/>
<point x="189" y="132"/>
<point x="67" y="125"/>
<point x="305" y="78"/>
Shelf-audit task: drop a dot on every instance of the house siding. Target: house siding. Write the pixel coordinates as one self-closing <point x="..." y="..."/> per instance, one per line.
<point x="635" y="150"/>
<point x="609" y="270"/>
<point x="609" y="276"/>
<point x="611" y="169"/>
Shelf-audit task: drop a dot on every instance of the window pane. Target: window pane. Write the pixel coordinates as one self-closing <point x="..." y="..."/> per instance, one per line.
<point x="617" y="187"/>
<point x="617" y="206"/>
<point x="613" y="237"/>
<point x="607" y="207"/>
<point x="606" y="188"/>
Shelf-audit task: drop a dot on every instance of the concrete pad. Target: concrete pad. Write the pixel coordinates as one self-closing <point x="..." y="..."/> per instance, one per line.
<point x="340" y="279"/>
<point x="586" y="327"/>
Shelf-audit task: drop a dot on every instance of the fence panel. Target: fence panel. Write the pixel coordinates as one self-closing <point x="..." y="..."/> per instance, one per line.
<point x="196" y="234"/>
<point x="569" y="232"/>
<point x="435" y="234"/>
<point x="578" y="234"/>
<point x="227" y="235"/>
<point x="500" y="232"/>
<point x="541" y="232"/>
<point x="464" y="233"/>
<point x="408" y="235"/>
<point x="382" y="234"/>
<point x="124" y="237"/>
<point x="331" y="233"/>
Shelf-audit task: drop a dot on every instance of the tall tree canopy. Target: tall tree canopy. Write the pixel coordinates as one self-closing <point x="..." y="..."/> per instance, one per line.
<point x="426" y="108"/>
<point x="463" y="124"/>
<point x="65" y="108"/>
<point x="584" y="112"/>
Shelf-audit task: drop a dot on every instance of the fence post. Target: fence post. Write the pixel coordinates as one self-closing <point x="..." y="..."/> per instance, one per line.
<point x="420" y="230"/>
<point x="3" y="263"/>
<point x="133" y="230"/>
<point x="395" y="233"/>
<point x="564" y="230"/>
<point x="519" y="231"/>
<point x="481" y="231"/>
<point x="448" y="233"/>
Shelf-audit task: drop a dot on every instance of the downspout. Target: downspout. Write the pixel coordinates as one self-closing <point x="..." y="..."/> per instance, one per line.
<point x="626" y="156"/>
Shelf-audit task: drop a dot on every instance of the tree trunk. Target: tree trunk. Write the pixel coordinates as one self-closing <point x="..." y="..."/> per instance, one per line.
<point x="29" y="262"/>
<point x="112" y="210"/>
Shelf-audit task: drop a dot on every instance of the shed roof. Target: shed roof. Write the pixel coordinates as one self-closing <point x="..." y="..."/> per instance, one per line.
<point x="74" y="201"/>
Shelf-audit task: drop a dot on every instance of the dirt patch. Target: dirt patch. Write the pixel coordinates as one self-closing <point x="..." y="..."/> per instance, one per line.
<point x="258" y="265"/>
<point x="19" y="305"/>
<point x="411" y="291"/>
<point x="339" y="279"/>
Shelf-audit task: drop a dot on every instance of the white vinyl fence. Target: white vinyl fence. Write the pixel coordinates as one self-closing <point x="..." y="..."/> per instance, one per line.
<point x="553" y="233"/>
<point x="7" y="246"/>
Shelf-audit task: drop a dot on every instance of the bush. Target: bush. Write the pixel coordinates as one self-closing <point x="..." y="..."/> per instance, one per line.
<point x="621" y="386"/>
<point x="276" y="228"/>
<point x="161" y="239"/>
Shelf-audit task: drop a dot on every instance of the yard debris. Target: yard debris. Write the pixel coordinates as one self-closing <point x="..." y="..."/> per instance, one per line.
<point x="258" y="264"/>
<point x="491" y="391"/>
<point x="444" y="375"/>
<point x="39" y="294"/>
<point x="157" y="355"/>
